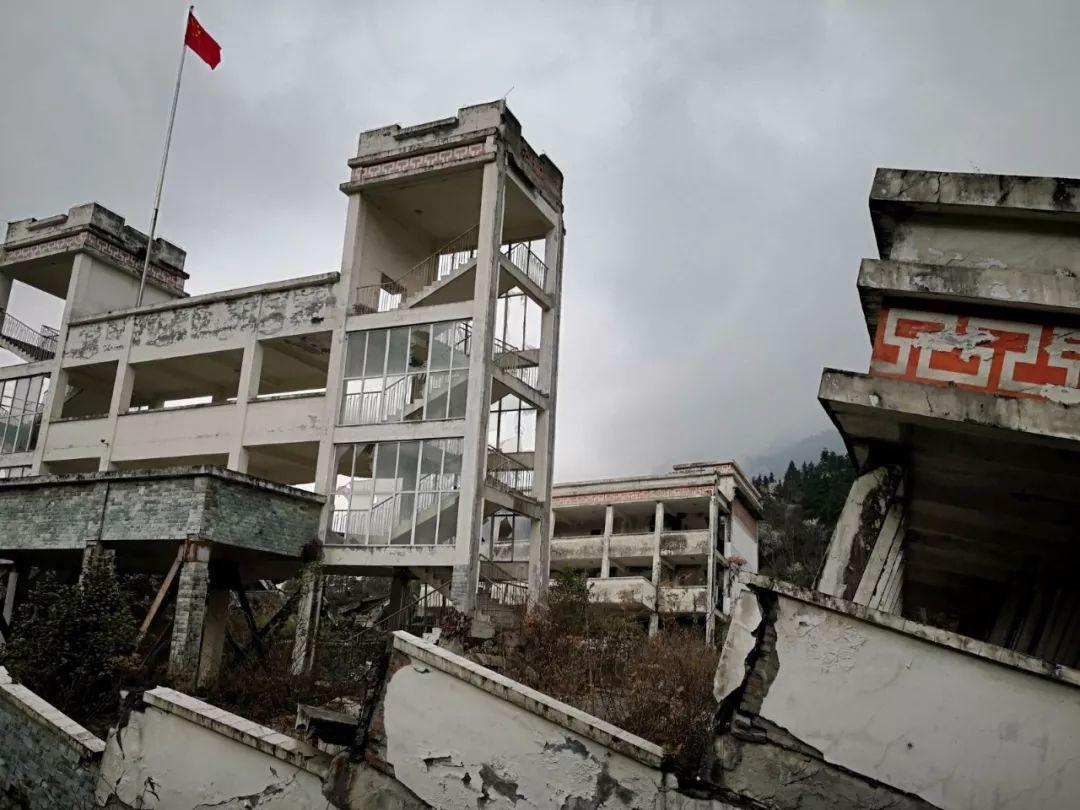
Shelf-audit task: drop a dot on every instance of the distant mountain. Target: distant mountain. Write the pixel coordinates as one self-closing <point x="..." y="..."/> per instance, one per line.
<point x="809" y="449"/>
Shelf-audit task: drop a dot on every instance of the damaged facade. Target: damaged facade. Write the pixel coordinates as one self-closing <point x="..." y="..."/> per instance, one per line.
<point x="660" y="546"/>
<point x="410" y="397"/>
<point x="935" y="664"/>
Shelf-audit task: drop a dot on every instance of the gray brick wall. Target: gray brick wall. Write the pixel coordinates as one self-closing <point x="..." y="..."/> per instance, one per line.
<point x="188" y="622"/>
<point x="51" y="514"/>
<point x="41" y="765"/>
<point x="263" y="519"/>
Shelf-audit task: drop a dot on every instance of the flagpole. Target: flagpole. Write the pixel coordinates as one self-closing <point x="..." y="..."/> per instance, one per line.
<point x="164" y="161"/>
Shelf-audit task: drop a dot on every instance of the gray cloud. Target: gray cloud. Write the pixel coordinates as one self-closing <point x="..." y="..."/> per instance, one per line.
<point x="717" y="157"/>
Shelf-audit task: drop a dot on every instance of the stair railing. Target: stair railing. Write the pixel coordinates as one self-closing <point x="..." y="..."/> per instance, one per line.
<point x="522" y="257"/>
<point x="391" y="293"/>
<point x="507" y="473"/>
<point x="500" y="585"/>
<point x="39" y="345"/>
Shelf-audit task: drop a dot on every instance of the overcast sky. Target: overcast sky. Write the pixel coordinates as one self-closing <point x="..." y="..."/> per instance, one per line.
<point x="717" y="155"/>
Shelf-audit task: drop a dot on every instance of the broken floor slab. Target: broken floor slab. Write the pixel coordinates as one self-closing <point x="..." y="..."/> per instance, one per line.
<point x="841" y="705"/>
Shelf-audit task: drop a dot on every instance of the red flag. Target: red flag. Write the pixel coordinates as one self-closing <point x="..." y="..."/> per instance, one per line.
<point x="201" y="42"/>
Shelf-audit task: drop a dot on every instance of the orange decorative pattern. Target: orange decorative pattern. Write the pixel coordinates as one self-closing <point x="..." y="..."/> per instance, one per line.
<point x="980" y="354"/>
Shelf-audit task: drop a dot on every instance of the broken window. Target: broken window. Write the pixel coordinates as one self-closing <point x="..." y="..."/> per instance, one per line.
<point x="407" y="373"/>
<point x="397" y="493"/>
<point x="22" y="401"/>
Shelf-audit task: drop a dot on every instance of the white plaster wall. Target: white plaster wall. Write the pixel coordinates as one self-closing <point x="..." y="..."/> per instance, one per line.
<point x="165" y="762"/>
<point x="279" y="421"/>
<point x="960" y="731"/>
<point x="82" y="438"/>
<point x="975" y="242"/>
<point x="449" y="742"/>
<point x="205" y="429"/>
<point x="744" y="544"/>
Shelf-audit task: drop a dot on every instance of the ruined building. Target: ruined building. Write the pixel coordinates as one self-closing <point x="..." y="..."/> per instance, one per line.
<point x="386" y="412"/>
<point x="936" y="665"/>
<point x="659" y="546"/>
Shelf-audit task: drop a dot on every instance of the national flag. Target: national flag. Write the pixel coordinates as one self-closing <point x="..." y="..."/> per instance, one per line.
<point x="201" y="42"/>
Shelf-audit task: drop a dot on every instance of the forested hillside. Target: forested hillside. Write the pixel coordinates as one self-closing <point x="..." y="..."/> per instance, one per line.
<point x="801" y="509"/>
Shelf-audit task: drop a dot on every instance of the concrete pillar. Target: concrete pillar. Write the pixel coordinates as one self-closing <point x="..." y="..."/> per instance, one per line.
<point x="189" y="618"/>
<point x="213" y="636"/>
<point x="5" y="291"/>
<point x="123" y="386"/>
<point x="710" y="582"/>
<point x="609" y="525"/>
<point x="399" y="600"/>
<point x="9" y="593"/>
<point x="857" y="529"/>
<point x="544" y="450"/>
<point x="307" y="620"/>
<point x="248" y="390"/>
<point x="658" y="528"/>
<point x="464" y="580"/>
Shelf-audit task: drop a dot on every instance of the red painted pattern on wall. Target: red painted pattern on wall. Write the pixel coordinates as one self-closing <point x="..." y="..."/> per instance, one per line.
<point x="980" y="354"/>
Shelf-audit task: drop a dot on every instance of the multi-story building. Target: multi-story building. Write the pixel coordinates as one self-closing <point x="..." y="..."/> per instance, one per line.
<point x="411" y="394"/>
<point x="657" y="546"/>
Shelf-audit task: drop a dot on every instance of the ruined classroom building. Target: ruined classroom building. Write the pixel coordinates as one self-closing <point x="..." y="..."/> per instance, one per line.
<point x="937" y="663"/>
<point x="412" y="393"/>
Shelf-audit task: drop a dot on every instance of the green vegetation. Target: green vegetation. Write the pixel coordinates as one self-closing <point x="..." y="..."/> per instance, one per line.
<point x="801" y="509"/>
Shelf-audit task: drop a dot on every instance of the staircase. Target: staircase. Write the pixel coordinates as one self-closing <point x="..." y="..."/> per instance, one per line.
<point x="24" y="342"/>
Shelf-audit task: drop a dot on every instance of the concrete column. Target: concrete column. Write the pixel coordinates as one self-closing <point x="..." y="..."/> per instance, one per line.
<point x="654" y="620"/>
<point x="190" y="617"/>
<point x="399" y="598"/>
<point x="123" y="386"/>
<point x="544" y="451"/>
<point x="248" y="389"/>
<point x="609" y="526"/>
<point x="9" y="593"/>
<point x="213" y="636"/>
<point x="463" y="583"/>
<point x="307" y="620"/>
<point x="710" y="581"/>
<point x="5" y="291"/>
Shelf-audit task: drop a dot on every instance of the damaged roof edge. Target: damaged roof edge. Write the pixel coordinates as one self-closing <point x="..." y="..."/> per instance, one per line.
<point x="924" y="632"/>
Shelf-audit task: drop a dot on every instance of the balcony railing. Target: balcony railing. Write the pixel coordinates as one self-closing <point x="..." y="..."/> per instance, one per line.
<point x="35" y="345"/>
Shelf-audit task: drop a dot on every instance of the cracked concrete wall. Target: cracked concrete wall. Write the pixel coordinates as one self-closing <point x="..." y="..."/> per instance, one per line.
<point x="161" y="761"/>
<point x="828" y="701"/>
<point x="457" y="746"/>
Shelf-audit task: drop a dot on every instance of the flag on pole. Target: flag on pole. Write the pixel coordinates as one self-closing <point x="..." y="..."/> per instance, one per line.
<point x="207" y="49"/>
<point x="201" y="42"/>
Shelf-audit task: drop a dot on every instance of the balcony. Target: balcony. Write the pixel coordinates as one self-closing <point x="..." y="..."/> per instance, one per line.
<point x="629" y="594"/>
<point x="683" y="599"/>
<point x="630" y="549"/>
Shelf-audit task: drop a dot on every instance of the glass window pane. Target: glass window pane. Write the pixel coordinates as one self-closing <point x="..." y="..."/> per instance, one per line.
<point x="393" y="407"/>
<point x="459" y="390"/>
<point x="431" y="458"/>
<point x="375" y="356"/>
<point x="437" y="395"/>
<point x="442" y="345"/>
<point x="414" y="398"/>
<point x="448" y="510"/>
<point x="22" y="387"/>
<point x="462" y="343"/>
<point x="397" y="359"/>
<point x="354" y="354"/>
<point x="451" y="474"/>
<point x="427" y="517"/>
<point x="419" y="342"/>
<point x="386" y="469"/>
<point x="401" y="532"/>
<point x="408" y="462"/>
<point x="381" y="521"/>
<point x="527" y="441"/>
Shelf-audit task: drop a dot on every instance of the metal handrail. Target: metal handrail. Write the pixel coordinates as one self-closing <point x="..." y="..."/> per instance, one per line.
<point x="522" y="257"/>
<point x="39" y="345"/>
<point x="513" y="590"/>
<point x="390" y="294"/>
<point x="506" y="472"/>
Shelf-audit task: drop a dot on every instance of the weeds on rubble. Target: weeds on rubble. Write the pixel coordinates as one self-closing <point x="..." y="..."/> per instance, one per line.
<point x="605" y="663"/>
<point x="73" y="644"/>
